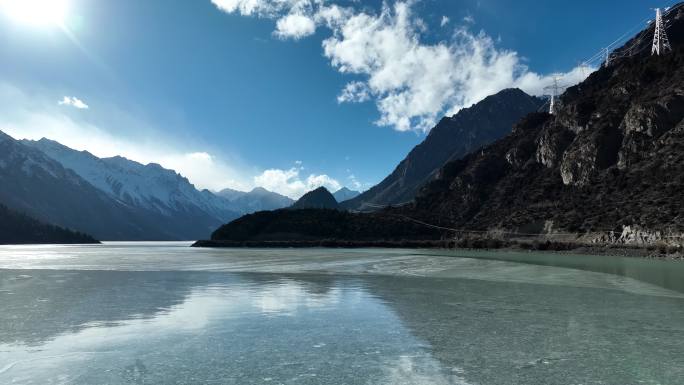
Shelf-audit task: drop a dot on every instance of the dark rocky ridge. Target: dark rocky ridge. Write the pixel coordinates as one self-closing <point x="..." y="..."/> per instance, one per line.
<point x="19" y="228"/>
<point x="608" y="168"/>
<point x="314" y="224"/>
<point x="452" y="138"/>
<point x="611" y="158"/>
<point x="319" y="198"/>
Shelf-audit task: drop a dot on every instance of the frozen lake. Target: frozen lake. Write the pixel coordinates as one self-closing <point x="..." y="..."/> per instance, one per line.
<point x="164" y="313"/>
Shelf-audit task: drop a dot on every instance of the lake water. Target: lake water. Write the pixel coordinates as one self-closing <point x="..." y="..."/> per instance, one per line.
<point x="164" y="313"/>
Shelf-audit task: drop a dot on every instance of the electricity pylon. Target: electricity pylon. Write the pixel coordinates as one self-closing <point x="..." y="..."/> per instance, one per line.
<point x="660" y="42"/>
<point x="606" y="56"/>
<point x="555" y="89"/>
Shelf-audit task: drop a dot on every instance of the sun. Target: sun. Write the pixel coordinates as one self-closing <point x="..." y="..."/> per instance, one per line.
<point x="36" y="12"/>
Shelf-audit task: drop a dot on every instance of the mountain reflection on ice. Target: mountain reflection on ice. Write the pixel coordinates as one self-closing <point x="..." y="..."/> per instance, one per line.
<point x="126" y="315"/>
<point x="203" y="328"/>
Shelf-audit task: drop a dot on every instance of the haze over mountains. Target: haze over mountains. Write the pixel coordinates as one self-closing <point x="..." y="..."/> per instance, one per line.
<point x="608" y="160"/>
<point x="119" y="199"/>
<point x="258" y="199"/>
<point x="116" y="198"/>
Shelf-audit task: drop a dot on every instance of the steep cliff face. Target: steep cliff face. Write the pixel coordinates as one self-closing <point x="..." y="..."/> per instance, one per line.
<point x="612" y="156"/>
<point x="452" y="138"/>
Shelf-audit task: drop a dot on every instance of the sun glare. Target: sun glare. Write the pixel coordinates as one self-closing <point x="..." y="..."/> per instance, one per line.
<point x="36" y="12"/>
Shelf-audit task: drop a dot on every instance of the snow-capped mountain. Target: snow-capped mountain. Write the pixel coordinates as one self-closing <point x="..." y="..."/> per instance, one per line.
<point x="116" y="198"/>
<point x="259" y="199"/>
<point x="150" y="186"/>
<point x="33" y="183"/>
<point x="344" y="194"/>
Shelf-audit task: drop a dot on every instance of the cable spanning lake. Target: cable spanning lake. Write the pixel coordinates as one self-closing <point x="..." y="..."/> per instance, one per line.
<point x="164" y="313"/>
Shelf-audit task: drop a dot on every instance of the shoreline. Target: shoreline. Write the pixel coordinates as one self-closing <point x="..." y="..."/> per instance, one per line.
<point x="634" y="251"/>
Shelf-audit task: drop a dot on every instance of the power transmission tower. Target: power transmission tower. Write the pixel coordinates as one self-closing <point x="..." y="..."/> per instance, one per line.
<point x="583" y="69"/>
<point x="660" y="42"/>
<point x="555" y="89"/>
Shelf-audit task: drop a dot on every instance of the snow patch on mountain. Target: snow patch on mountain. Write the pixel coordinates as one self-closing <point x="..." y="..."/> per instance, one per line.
<point x="147" y="186"/>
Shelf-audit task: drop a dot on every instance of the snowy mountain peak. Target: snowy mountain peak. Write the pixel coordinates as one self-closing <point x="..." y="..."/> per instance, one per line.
<point x="344" y="194"/>
<point x="148" y="186"/>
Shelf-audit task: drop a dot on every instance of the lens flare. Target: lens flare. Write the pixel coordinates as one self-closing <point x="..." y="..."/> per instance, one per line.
<point x="36" y="12"/>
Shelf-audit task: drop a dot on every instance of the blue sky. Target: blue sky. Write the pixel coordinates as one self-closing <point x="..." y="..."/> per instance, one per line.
<point x="238" y="93"/>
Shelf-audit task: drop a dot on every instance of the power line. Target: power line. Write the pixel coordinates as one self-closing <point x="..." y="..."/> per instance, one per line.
<point x="514" y="233"/>
<point x="607" y="55"/>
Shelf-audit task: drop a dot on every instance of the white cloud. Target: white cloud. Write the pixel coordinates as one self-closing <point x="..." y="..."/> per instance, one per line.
<point x="28" y="114"/>
<point x="469" y="19"/>
<point x="73" y="102"/>
<point x="355" y="92"/>
<point x="295" y="26"/>
<point x="354" y="183"/>
<point x="289" y="182"/>
<point x="265" y="8"/>
<point x="444" y="21"/>
<point x="413" y="83"/>
<point x="31" y="115"/>
<point x="205" y="170"/>
<point x="245" y="7"/>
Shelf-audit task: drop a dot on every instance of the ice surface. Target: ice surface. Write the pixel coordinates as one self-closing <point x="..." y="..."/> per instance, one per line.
<point x="160" y="313"/>
<point x="627" y="274"/>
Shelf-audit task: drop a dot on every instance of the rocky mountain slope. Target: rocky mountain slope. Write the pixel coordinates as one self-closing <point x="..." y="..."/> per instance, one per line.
<point x="610" y="159"/>
<point x="345" y="194"/>
<point x="607" y="168"/>
<point x="319" y="198"/>
<point x="258" y="199"/>
<point x="18" y="228"/>
<point x="452" y="138"/>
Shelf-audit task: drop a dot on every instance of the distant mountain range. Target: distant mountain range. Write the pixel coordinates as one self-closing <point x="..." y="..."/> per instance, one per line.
<point x="259" y="199"/>
<point x="345" y="194"/>
<point x="145" y="187"/>
<point x="452" y="138"/>
<point x="33" y="183"/>
<point x="115" y="198"/>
